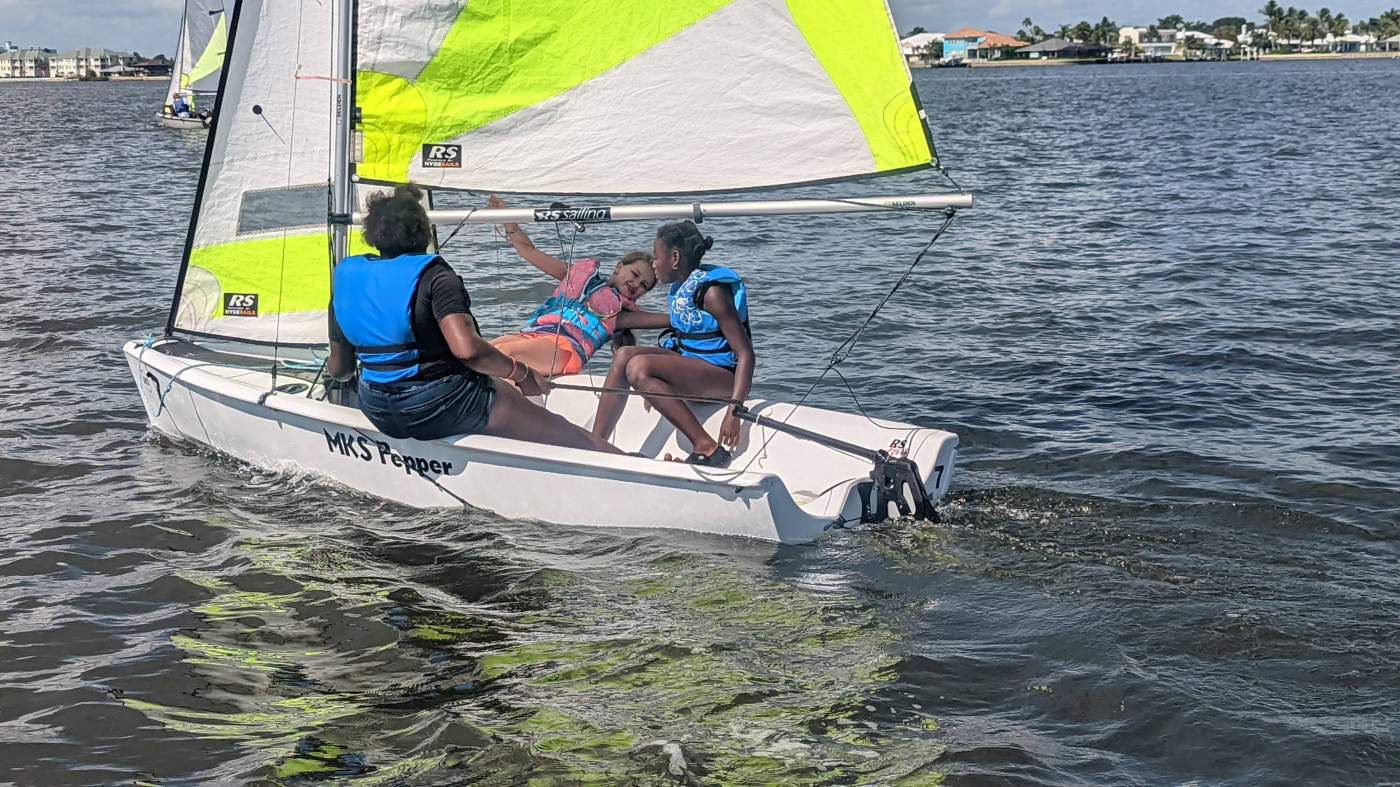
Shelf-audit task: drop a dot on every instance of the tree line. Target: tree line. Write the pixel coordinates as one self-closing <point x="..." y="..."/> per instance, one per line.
<point x="1290" y="23"/>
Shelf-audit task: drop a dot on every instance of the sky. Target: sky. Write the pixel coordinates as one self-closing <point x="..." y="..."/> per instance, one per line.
<point x="152" y="26"/>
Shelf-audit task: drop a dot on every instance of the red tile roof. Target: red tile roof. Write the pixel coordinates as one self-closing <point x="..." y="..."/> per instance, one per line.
<point x="989" y="39"/>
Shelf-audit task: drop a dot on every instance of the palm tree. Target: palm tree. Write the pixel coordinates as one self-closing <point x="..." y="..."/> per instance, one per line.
<point x="1312" y="28"/>
<point x="1064" y="31"/>
<point x="1340" y="25"/>
<point x="1389" y="23"/>
<point x="1030" y="31"/>
<point x="1083" y="31"/>
<point x="1107" y="31"/>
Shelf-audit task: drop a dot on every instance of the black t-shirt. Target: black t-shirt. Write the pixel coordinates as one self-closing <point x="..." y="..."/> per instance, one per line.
<point x="440" y="293"/>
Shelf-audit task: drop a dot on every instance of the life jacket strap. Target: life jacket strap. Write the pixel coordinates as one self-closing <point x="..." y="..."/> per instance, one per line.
<point x="387" y="348"/>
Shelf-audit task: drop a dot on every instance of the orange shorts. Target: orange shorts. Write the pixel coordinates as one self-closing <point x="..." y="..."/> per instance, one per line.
<point x="538" y="350"/>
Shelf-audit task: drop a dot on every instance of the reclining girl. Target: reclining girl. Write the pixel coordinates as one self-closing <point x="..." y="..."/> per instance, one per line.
<point x="708" y="355"/>
<point x="585" y="311"/>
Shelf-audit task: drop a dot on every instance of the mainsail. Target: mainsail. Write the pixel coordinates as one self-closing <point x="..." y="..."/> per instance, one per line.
<point x="200" y="54"/>
<point x="547" y="96"/>
<point x="633" y="96"/>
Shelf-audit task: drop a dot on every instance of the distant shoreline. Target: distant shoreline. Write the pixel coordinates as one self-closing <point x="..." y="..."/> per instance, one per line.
<point x="1043" y="63"/>
<point x="3" y="80"/>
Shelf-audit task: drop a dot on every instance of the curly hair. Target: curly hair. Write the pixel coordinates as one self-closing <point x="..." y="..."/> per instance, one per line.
<point x="397" y="223"/>
<point x="685" y="237"/>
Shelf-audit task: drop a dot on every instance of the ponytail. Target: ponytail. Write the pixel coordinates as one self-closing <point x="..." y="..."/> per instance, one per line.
<point x="685" y="237"/>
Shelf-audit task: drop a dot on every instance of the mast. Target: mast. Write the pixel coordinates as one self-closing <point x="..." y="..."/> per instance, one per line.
<point x="342" y="190"/>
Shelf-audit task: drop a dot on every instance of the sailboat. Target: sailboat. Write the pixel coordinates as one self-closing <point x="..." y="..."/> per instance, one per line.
<point x="199" y="60"/>
<point x="322" y="104"/>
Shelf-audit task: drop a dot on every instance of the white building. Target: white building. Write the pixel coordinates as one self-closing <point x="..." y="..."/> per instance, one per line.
<point x="25" y="63"/>
<point x="915" y="48"/>
<point x="78" y="62"/>
<point x="1167" y="43"/>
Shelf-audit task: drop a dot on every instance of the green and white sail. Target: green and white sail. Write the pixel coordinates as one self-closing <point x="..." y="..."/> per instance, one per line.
<point x="544" y="96"/>
<point x="258" y="263"/>
<point x="633" y="96"/>
<point x="199" y="56"/>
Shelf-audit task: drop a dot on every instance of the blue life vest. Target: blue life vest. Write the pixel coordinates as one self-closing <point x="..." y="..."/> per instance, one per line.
<point x="694" y="332"/>
<point x="589" y="325"/>
<point x="373" y="302"/>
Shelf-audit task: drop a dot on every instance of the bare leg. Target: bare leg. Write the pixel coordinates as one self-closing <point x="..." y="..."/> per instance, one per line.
<point x="514" y="416"/>
<point x="537" y="354"/>
<point x="672" y="374"/>
<point x="610" y="406"/>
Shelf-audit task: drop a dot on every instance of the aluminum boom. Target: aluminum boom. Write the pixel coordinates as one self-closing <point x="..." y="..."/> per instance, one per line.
<point x="697" y="211"/>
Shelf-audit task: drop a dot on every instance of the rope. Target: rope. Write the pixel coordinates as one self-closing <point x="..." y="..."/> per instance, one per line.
<point x="603" y="389"/>
<point x="161" y="394"/>
<point x="844" y="349"/>
<point x="291" y="158"/>
<point x="568" y="271"/>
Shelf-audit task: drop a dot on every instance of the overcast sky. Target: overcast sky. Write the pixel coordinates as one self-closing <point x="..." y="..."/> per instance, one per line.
<point x="151" y="26"/>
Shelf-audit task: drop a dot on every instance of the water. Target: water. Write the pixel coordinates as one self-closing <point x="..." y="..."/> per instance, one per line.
<point x="1167" y="337"/>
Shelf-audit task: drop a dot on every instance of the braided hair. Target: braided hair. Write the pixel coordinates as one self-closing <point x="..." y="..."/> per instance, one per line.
<point x="685" y="237"/>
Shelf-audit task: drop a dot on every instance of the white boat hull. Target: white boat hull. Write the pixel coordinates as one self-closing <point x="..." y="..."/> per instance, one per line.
<point x="778" y="488"/>
<point x="189" y="124"/>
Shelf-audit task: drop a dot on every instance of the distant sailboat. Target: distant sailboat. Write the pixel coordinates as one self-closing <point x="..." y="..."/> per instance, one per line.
<point x="323" y="103"/>
<point x="199" y="59"/>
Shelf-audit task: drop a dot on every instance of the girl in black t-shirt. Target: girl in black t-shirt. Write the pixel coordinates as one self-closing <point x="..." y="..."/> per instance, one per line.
<point x="446" y="387"/>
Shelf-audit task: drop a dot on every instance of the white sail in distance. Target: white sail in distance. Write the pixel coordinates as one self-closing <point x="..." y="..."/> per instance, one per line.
<point x="199" y="55"/>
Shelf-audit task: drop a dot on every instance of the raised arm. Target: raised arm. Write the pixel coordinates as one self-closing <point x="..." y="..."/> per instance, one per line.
<point x="526" y="248"/>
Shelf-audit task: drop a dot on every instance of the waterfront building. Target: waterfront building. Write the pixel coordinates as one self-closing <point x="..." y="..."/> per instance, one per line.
<point x="1060" y="49"/>
<point x="915" y="48"/>
<point x="968" y="45"/>
<point x="1165" y="45"/>
<point x="153" y="68"/>
<point x="25" y="63"/>
<point x="76" y="63"/>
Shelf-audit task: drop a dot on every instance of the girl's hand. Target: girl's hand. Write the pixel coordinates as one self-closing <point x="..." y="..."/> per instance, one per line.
<point x="729" y="431"/>
<point x="508" y="229"/>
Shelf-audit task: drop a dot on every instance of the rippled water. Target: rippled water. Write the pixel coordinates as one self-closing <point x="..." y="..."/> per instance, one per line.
<point x="1167" y="337"/>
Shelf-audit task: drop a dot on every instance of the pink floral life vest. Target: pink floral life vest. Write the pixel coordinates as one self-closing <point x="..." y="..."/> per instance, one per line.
<point x="583" y="308"/>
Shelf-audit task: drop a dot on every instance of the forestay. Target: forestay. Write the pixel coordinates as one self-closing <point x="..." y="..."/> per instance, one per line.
<point x="633" y="96"/>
